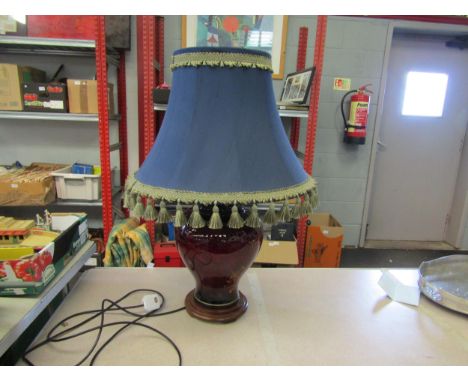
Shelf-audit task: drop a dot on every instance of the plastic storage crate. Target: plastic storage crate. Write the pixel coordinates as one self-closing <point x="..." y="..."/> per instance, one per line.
<point x="77" y="186"/>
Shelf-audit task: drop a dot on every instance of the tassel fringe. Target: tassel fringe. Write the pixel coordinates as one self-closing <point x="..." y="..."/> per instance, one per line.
<point x="163" y="216"/>
<point x="235" y="221"/>
<point x="180" y="219"/>
<point x="304" y="207"/>
<point x="215" y="220"/>
<point x="195" y="219"/>
<point x="253" y="221"/>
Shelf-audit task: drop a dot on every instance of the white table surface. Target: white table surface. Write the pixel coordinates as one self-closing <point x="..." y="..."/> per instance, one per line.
<point x="17" y="313"/>
<point x="295" y="317"/>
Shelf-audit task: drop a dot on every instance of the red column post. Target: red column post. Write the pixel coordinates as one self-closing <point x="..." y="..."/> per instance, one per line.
<point x="103" y="125"/>
<point x="300" y="65"/>
<point x="319" y="53"/>
<point x="122" y="102"/>
<point x="146" y="80"/>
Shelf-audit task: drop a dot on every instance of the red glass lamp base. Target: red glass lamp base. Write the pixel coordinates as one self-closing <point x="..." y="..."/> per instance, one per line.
<point x="217" y="259"/>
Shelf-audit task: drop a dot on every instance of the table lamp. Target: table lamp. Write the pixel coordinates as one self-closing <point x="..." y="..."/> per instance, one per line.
<point x="221" y="151"/>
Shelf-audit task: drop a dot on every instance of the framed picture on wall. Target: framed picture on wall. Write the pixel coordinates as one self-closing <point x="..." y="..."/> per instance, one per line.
<point x="296" y="87"/>
<point x="267" y="33"/>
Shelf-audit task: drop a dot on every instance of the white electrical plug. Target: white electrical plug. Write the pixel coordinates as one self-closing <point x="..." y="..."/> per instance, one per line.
<point x="152" y="302"/>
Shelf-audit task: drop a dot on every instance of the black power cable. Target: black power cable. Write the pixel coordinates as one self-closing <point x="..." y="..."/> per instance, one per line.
<point x="58" y="336"/>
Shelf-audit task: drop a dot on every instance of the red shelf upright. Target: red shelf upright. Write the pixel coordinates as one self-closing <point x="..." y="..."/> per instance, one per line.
<point x="160" y="48"/>
<point x="103" y="121"/>
<point x="319" y="53"/>
<point x="146" y="27"/>
<point x="300" y="65"/>
<point x="122" y="103"/>
<point x="160" y="60"/>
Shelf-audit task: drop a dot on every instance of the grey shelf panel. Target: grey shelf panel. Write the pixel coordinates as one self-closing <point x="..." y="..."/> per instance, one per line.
<point x="281" y="112"/>
<point x="116" y="191"/>
<point x="19" y="313"/>
<point x="52" y="46"/>
<point x="52" y="116"/>
<point x="46" y="43"/>
<point x="293" y="113"/>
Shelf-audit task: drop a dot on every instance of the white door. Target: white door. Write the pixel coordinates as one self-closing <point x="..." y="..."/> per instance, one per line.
<point x="418" y="156"/>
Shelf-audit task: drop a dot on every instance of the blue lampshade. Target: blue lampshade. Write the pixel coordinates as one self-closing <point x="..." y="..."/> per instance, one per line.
<point x="222" y="140"/>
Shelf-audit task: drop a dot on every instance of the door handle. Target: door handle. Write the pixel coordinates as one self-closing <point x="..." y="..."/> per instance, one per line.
<point x="381" y="144"/>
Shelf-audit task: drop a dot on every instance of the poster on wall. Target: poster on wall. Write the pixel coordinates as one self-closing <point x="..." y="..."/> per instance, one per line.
<point x="266" y="33"/>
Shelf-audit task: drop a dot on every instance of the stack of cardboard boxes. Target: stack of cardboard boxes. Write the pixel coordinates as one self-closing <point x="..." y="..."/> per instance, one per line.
<point x="24" y="88"/>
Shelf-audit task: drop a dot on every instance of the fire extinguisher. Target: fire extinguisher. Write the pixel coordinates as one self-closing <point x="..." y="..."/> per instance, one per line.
<point x="355" y="126"/>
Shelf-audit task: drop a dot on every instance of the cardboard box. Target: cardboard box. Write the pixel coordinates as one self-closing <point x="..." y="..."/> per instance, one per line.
<point x="11" y="78"/>
<point x="10" y="27"/>
<point x="82" y="97"/>
<point x="278" y="252"/>
<point x="324" y="238"/>
<point x="45" y="97"/>
<point x="28" y="186"/>
<point x="30" y="274"/>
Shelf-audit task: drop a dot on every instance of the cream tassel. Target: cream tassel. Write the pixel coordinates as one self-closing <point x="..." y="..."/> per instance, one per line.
<point x="139" y="209"/>
<point x="150" y="212"/>
<point x="253" y="221"/>
<point x="180" y="219"/>
<point x="296" y="210"/>
<point x="131" y="201"/>
<point x="314" y="198"/>
<point x="215" y="219"/>
<point x="163" y="216"/>
<point x="195" y="219"/>
<point x="270" y="216"/>
<point x="306" y="207"/>
<point x="235" y="220"/>
<point x="285" y="215"/>
<point x="126" y="199"/>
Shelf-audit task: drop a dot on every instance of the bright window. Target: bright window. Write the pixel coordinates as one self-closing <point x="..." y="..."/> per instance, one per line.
<point x="424" y="94"/>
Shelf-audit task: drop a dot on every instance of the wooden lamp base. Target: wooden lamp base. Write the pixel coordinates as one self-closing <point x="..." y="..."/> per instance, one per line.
<point x="215" y="313"/>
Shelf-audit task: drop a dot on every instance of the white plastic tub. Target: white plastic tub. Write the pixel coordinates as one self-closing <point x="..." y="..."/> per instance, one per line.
<point x="77" y="186"/>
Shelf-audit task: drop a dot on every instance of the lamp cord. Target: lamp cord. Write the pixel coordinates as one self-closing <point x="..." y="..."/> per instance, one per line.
<point x="107" y="305"/>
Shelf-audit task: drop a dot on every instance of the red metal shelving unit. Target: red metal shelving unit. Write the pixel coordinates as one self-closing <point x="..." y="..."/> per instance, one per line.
<point x="319" y="53"/>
